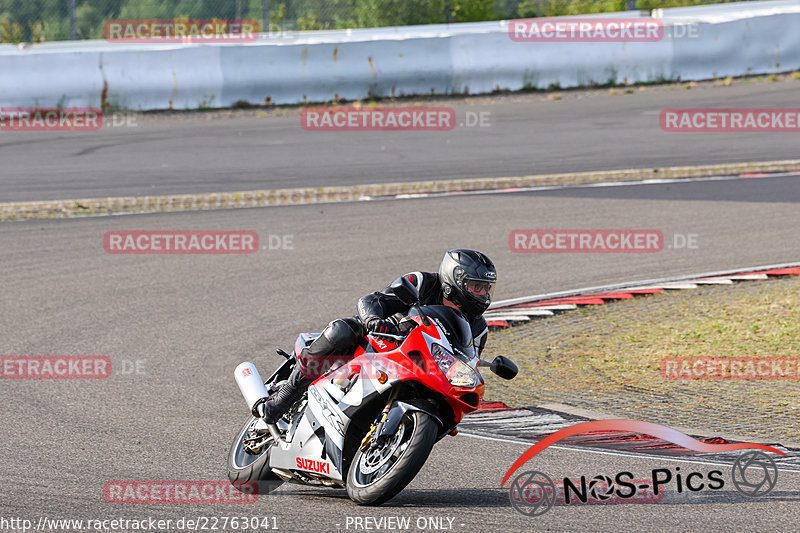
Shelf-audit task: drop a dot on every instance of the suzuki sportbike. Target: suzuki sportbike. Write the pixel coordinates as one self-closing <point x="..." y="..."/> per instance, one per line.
<point x="370" y="424"/>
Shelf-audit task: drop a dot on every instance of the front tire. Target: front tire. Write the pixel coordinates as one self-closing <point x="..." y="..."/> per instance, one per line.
<point x="244" y="468"/>
<point x="379" y="474"/>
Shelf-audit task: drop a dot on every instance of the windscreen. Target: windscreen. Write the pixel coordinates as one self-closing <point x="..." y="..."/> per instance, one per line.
<point x="455" y="326"/>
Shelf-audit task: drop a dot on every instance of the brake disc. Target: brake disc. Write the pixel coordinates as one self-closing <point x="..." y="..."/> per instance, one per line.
<point x="375" y="458"/>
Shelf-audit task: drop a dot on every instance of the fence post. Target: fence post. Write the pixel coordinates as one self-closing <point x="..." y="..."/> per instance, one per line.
<point x="73" y="29"/>
<point x="265" y="15"/>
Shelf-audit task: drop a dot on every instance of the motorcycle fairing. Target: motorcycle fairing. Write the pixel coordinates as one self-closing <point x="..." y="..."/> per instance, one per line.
<point x="307" y="440"/>
<point x="366" y="386"/>
<point x="320" y="433"/>
<point x="319" y="436"/>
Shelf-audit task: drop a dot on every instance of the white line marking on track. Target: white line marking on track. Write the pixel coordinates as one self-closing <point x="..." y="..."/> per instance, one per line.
<point x="520" y="312"/>
<point x="514" y="190"/>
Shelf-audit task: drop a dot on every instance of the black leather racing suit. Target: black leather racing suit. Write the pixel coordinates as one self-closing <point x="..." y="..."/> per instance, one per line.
<point x="340" y="339"/>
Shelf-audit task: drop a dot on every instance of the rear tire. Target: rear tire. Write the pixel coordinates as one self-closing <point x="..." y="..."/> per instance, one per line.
<point x="244" y="468"/>
<point x="377" y="476"/>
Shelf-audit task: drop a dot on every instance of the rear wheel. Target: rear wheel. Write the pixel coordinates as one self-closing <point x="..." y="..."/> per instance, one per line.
<point x="248" y="469"/>
<point x="377" y="474"/>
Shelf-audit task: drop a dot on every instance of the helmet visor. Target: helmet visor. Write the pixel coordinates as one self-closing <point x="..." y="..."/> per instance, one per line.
<point x="481" y="290"/>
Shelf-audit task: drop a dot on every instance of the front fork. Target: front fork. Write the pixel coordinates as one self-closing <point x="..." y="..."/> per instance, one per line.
<point x="373" y="437"/>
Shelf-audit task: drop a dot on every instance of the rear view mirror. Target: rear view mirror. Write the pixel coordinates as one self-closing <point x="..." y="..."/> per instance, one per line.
<point x="504" y="367"/>
<point x="405" y="290"/>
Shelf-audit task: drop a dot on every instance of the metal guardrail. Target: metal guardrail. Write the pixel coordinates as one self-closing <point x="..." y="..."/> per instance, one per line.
<point x="327" y="66"/>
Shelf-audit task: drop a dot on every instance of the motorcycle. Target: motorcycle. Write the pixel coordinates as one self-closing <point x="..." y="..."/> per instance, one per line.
<point x="367" y="425"/>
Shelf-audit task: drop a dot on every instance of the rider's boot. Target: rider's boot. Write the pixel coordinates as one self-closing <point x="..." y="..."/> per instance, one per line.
<point x="287" y="395"/>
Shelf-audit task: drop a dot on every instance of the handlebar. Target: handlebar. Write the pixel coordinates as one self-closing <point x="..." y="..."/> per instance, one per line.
<point x="395" y="337"/>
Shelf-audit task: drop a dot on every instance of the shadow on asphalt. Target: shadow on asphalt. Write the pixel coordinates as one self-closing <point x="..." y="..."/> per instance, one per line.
<point x="488" y="497"/>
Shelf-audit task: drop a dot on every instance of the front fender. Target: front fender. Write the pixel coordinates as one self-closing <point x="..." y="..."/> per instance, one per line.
<point x="399" y="409"/>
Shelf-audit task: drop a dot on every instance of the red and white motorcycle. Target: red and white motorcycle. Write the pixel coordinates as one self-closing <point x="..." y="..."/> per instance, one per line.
<point x="370" y="424"/>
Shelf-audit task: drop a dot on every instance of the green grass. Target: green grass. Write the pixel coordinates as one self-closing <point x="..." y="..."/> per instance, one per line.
<point x="608" y="357"/>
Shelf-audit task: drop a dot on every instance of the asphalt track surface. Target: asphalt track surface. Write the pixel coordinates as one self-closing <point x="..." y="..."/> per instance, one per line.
<point x="189" y="320"/>
<point x="527" y="134"/>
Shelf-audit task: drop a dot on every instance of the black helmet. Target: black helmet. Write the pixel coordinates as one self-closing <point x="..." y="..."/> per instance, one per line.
<point x="468" y="279"/>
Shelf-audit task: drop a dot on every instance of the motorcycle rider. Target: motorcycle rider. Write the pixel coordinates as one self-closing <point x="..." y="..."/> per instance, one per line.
<point x="465" y="281"/>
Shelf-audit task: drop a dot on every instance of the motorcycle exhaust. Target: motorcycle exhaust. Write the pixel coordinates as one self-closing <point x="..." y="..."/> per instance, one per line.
<point x="252" y="386"/>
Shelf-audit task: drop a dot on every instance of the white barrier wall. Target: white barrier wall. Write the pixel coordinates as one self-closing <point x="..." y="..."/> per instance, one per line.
<point x="732" y="40"/>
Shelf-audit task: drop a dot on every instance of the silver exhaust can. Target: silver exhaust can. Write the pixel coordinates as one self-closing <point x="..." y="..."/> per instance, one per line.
<point x="251" y="385"/>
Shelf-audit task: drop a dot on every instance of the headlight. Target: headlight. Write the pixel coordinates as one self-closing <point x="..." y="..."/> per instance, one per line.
<point x="443" y="357"/>
<point x="457" y="372"/>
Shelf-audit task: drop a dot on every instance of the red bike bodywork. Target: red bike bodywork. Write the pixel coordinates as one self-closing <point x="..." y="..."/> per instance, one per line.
<point x="412" y="361"/>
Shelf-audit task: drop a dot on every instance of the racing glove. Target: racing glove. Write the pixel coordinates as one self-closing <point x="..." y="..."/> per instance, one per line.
<point x="381" y="325"/>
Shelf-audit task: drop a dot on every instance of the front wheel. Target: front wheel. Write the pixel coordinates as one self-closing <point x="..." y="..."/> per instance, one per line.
<point x="378" y="473"/>
<point x="248" y="469"/>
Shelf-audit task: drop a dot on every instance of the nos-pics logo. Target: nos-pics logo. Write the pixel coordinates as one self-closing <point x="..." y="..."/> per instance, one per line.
<point x="533" y="493"/>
